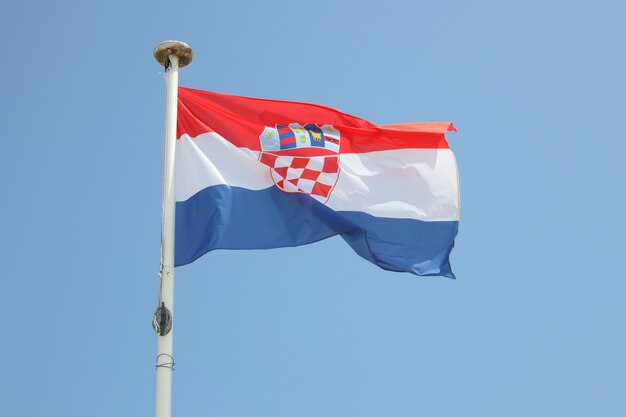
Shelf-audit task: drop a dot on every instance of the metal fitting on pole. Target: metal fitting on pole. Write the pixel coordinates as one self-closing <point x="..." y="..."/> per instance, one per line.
<point x="180" y="49"/>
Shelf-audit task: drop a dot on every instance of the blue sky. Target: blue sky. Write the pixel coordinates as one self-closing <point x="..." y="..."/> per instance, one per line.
<point x="534" y="324"/>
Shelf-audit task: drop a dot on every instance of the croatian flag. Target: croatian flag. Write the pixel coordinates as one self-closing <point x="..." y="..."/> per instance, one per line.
<point x="258" y="174"/>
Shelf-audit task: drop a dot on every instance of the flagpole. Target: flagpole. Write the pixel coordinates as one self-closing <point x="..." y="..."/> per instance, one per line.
<point x="172" y="55"/>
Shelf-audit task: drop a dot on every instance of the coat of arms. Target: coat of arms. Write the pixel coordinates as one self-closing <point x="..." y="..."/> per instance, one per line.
<point x="302" y="159"/>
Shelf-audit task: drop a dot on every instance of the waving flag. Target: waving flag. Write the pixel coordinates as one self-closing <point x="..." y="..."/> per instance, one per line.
<point x="257" y="174"/>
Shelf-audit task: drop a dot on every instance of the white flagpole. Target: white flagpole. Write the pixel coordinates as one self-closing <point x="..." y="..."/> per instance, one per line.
<point x="172" y="55"/>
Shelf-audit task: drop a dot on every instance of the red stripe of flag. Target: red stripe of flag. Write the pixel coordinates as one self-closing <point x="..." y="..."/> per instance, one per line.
<point x="241" y="120"/>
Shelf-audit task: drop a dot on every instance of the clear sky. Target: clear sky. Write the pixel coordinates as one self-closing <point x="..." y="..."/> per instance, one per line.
<point x="534" y="324"/>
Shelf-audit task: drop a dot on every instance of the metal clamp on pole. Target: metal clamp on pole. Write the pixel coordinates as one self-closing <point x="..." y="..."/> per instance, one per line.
<point x="162" y="320"/>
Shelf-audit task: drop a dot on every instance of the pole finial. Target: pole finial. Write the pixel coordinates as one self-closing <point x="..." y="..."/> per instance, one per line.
<point x="178" y="48"/>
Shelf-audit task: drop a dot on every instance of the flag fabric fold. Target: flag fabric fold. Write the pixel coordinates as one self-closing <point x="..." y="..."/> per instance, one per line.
<point x="259" y="174"/>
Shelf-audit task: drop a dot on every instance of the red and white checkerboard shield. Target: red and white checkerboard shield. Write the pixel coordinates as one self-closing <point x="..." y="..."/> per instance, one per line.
<point x="312" y="175"/>
<point x="302" y="158"/>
